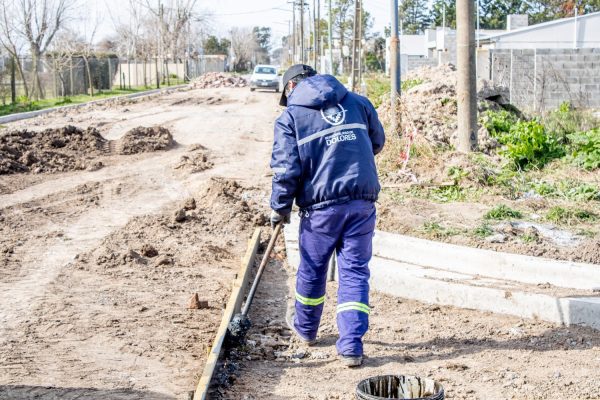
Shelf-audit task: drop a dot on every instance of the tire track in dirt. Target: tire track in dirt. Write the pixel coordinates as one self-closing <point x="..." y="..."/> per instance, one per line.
<point x="19" y="298"/>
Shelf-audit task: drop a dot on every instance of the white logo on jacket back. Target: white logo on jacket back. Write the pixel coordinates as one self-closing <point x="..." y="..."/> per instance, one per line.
<point x="335" y="115"/>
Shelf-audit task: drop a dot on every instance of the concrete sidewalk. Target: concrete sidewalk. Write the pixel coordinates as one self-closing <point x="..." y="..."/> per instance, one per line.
<point x="439" y="273"/>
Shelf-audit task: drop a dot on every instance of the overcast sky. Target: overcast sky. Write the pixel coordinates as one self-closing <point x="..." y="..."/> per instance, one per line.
<point x="229" y="13"/>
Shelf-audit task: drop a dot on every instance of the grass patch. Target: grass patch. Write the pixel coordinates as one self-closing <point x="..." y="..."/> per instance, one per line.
<point x="502" y="212"/>
<point x="435" y="230"/>
<point x="569" y="216"/>
<point x="410" y="83"/>
<point x="395" y="195"/>
<point x="567" y="190"/>
<point x="484" y="230"/>
<point x="528" y="238"/>
<point x="377" y="86"/>
<point x="25" y="105"/>
<point x="440" y="194"/>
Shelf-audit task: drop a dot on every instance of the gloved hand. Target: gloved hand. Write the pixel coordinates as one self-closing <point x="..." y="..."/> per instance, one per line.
<point x="277" y="217"/>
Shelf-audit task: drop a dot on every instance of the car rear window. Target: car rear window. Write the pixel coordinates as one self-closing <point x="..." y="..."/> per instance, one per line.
<point x="264" y="70"/>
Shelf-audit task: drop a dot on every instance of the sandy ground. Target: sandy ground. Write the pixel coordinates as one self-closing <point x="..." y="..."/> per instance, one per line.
<point x="474" y="355"/>
<point x="98" y="268"/>
<point x="86" y="311"/>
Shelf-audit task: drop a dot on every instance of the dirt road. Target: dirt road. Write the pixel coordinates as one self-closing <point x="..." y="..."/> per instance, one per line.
<point x="85" y="310"/>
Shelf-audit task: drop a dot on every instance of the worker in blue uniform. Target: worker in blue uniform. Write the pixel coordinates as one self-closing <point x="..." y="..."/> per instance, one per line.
<point x="324" y="158"/>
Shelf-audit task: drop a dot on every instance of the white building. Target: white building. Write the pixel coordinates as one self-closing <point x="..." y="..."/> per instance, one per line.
<point x="566" y="33"/>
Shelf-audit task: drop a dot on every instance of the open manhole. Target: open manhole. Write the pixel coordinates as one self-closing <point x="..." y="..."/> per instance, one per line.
<point x="399" y="387"/>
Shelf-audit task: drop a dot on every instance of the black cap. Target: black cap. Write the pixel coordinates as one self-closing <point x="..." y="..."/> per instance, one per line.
<point x="291" y="73"/>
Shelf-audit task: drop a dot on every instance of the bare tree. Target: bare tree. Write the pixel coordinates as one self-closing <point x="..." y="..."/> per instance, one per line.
<point x="243" y="44"/>
<point x="85" y="47"/>
<point x="61" y="54"/>
<point x="173" y="17"/>
<point x="10" y="38"/>
<point x="38" y="21"/>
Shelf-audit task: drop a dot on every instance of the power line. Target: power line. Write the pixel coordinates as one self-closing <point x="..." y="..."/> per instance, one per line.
<point x="276" y="8"/>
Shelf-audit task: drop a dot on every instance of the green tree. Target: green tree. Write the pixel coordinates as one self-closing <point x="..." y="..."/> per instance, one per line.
<point x="441" y="7"/>
<point x="414" y="16"/>
<point x="375" y="54"/>
<point x="547" y="10"/>
<point x="262" y="38"/>
<point x="493" y="13"/>
<point x="342" y="15"/>
<point x="212" y="45"/>
<point x="342" y="21"/>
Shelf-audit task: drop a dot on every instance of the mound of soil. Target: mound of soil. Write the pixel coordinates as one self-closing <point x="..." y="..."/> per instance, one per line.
<point x="52" y="150"/>
<point x="146" y="139"/>
<point x="430" y="107"/>
<point x="195" y="161"/>
<point x="225" y="207"/>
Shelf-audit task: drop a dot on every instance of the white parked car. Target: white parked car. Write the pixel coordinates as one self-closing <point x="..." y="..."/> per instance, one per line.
<point x="264" y="77"/>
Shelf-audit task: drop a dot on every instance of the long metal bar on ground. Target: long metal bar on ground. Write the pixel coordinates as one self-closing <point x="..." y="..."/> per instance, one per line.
<point x="31" y="114"/>
<point x="261" y="268"/>
<point x="234" y="306"/>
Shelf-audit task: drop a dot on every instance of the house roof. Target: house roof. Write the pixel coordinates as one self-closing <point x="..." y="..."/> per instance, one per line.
<point x="542" y="25"/>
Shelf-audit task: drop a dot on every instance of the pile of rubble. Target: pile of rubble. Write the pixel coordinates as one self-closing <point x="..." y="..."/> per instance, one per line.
<point x="218" y="80"/>
<point x="429" y="108"/>
<point x="52" y="150"/>
<point x="146" y="139"/>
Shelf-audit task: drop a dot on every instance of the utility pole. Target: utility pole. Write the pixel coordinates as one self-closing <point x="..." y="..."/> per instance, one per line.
<point x="302" y="31"/>
<point x="294" y="32"/>
<point x="314" y="46"/>
<point x="356" y="46"/>
<point x="466" y="85"/>
<point x="330" y="40"/>
<point x="318" y="34"/>
<point x="395" y="67"/>
<point x="478" y="19"/>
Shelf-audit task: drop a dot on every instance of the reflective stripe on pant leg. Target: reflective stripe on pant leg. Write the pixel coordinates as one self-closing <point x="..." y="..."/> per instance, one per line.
<point x="308" y="301"/>
<point x="353" y="306"/>
<point x="353" y="293"/>
<point x="319" y="235"/>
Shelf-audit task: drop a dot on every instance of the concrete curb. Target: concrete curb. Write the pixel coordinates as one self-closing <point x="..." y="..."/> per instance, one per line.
<point x="490" y="263"/>
<point x="32" y="114"/>
<point x="465" y="277"/>
<point x="234" y="306"/>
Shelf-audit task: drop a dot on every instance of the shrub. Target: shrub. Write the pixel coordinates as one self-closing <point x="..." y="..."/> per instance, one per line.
<point x="502" y="212"/>
<point x="498" y="122"/>
<point x="566" y="120"/>
<point x="585" y="148"/>
<point x="528" y="145"/>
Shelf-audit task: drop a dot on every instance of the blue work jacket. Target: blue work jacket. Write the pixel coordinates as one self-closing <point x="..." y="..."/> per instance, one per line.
<point x="324" y="147"/>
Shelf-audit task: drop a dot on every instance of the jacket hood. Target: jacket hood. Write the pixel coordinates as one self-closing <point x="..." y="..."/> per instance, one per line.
<point x="317" y="92"/>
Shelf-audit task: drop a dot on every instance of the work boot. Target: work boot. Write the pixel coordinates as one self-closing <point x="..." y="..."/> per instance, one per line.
<point x="289" y="319"/>
<point x="351" y="361"/>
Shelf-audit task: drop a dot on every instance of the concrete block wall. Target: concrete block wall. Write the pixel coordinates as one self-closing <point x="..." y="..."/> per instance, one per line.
<point x="542" y="79"/>
<point x="417" y="62"/>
